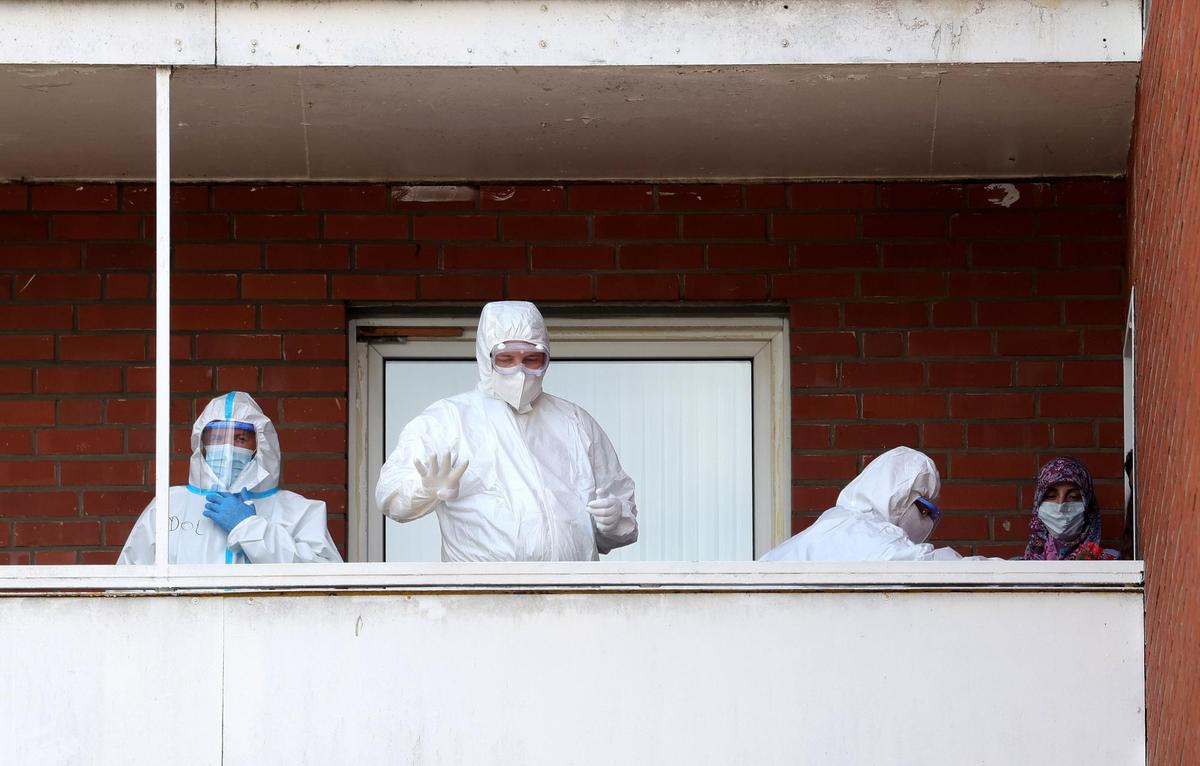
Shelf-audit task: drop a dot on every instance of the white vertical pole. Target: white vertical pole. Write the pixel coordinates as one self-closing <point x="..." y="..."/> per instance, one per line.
<point x="162" y="332"/>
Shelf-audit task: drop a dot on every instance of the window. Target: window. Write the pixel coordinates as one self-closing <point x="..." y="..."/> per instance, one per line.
<point x="678" y="397"/>
<point x="1129" y="389"/>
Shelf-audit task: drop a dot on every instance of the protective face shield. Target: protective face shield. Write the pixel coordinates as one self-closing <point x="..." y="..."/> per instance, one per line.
<point x="919" y="519"/>
<point x="1063" y="520"/>
<point x="517" y="370"/>
<point x="229" y="446"/>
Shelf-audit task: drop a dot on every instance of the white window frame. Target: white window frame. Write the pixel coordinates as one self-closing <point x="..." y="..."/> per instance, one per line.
<point x="761" y="340"/>
<point x="1129" y="394"/>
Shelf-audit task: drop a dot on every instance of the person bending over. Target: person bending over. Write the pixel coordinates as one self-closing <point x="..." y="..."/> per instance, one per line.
<point x="886" y="513"/>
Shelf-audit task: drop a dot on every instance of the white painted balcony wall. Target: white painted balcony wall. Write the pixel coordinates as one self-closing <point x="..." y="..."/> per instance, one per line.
<point x="901" y="663"/>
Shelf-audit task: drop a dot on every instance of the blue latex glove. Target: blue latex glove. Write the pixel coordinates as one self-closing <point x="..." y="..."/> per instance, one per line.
<point x="228" y="510"/>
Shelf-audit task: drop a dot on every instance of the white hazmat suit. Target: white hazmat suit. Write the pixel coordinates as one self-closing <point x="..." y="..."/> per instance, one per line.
<point x="531" y="467"/>
<point x="863" y="524"/>
<point x="285" y="528"/>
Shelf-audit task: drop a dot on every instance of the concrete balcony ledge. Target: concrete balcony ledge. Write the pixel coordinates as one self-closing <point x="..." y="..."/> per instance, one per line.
<point x="742" y="577"/>
<point x="584" y="664"/>
<point x="552" y="33"/>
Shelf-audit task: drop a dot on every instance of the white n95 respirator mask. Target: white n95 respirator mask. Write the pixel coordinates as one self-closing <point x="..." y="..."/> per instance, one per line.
<point x="518" y="388"/>
<point x="1063" y="520"/>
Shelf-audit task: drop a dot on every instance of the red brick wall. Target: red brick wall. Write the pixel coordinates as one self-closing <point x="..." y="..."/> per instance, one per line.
<point x="1165" y="267"/>
<point x="923" y="314"/>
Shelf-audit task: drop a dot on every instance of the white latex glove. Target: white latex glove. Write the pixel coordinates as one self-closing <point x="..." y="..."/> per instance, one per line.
<point x="441" y="477"/>
<point x="606" y="510"/>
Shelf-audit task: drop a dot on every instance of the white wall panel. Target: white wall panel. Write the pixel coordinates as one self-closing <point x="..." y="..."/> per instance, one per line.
<point x="534" y="33"/>
<point x="664" y="32"/>
<point x="641" y="676"/>
<point x="94" y="680"/>
<point x="122" y="32"/>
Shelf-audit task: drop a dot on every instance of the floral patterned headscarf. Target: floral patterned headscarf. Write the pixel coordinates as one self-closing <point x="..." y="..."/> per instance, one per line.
<point x="1042" y="545"/>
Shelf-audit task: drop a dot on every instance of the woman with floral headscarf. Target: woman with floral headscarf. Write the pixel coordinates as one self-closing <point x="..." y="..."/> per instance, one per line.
<point x="1066" y="516"/>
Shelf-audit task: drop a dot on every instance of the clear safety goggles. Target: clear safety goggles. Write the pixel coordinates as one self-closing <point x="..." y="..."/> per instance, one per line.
<point x="928" y="508"/>
<point x="235" y="433"/>
<point x="512" y="356"/>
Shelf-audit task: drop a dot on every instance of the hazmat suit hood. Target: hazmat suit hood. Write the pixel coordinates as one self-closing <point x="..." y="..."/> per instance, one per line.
<point x="891" y="483"/>
<point x="503" y="321"/>
<point x="263" y="472"/>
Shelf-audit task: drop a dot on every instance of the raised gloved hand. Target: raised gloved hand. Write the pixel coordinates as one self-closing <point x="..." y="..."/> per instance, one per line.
<point x="606" y="510"/>
<point x="228" y="510"/>
<point x="441" y="476"/>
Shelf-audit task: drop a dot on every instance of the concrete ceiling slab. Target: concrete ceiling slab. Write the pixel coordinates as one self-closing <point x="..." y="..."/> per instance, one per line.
<point x="573" y="123"/>
<point x="613" y="124"/>
<point x="1003" y="122"/>
<point x="240" y="123"/>
<point x="76" y="122"/>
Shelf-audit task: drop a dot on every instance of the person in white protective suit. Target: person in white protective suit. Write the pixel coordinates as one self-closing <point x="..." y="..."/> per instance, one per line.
<point x="886" y="513"/>
<point x="513" y="474"/>
<point x="232" y="510"/>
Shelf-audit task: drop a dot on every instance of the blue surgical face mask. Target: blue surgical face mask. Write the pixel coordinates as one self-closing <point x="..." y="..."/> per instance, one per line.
<point x="227" y="462"/>
<point x="1063" y="520"/>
